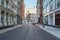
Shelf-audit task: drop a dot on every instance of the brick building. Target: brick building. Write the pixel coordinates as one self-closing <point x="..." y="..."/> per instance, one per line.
<point x="22" y="11"/>
<point x="39" y="11"/>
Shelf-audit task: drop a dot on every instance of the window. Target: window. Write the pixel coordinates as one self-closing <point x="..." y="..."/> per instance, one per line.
<point x="58" y="3"/>
<point x="45" y="20"/>
<point x="48" y="8"/>
<point x="7" y="2"/>
<point x="54" y="4"/>
<point x="44" y="11"/>
<point x="44" y="5"/>
<point x="43" y="0"/>
<point x="51" y="6"/>
<point x="2" y="2"/>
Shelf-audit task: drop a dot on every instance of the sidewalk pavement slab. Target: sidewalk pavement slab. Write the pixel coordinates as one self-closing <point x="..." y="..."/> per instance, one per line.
<point x="54" y="31"/>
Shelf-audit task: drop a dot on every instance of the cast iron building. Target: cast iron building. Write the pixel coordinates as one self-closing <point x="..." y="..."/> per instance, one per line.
<point x="18" y="12"/>
<point x="51" y="12"/>
<point x="8" y="11"/>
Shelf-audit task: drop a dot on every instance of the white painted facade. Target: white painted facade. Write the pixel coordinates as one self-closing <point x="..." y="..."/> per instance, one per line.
<point x="8" y="8"/>
<point x="50" y="9"/>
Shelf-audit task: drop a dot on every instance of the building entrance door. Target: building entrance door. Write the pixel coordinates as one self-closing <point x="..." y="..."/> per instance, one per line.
<point x="57" y="19"/>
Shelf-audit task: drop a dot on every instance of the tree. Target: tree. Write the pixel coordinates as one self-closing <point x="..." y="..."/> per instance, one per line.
<point x="28" y="17"/>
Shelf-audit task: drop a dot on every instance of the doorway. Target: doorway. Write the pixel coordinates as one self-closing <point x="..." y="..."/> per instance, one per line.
<point x="57" y="19"/>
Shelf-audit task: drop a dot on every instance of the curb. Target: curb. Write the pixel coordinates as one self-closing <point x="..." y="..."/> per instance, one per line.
<point x="56" y="38"/>
<point x="8" y="26"/>
<point x="56" y="26"/>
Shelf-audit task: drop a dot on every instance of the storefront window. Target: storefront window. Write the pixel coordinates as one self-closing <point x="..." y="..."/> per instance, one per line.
<point x="7" y="18"/>
<point x="51" y="19"/>
<point x="46" y="20"/>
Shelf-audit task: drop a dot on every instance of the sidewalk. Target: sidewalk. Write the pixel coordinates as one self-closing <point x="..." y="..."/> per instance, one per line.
<point x="54" y="31"/>
<point x="8" y="29"/>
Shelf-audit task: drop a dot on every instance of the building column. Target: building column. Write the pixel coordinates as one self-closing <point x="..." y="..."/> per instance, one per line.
<point x="53" y="18"/>
<point x="48" y="19"/>
<point x="15" y="20"/>
<point x="0" y="18"/>
<point x="12" y="19"/>
<point x="9" y="18"/>
<point x="5" y="19"/>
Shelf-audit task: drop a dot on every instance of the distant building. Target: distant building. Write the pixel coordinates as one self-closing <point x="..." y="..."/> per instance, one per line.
<point x="32" y="13"/>
<point x="51" y="12"/>
<point x="8" y="12"/>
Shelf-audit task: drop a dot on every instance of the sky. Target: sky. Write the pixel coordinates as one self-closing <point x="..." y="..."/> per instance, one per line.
<point x="30" y="3"/>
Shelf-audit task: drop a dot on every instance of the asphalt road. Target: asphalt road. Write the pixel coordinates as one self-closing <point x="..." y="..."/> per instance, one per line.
<point x="27" y="32"/>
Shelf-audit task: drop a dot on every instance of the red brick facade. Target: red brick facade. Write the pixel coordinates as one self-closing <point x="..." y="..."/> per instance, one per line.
<point x="22" y="10"/>
<point x="41" y="14"/>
